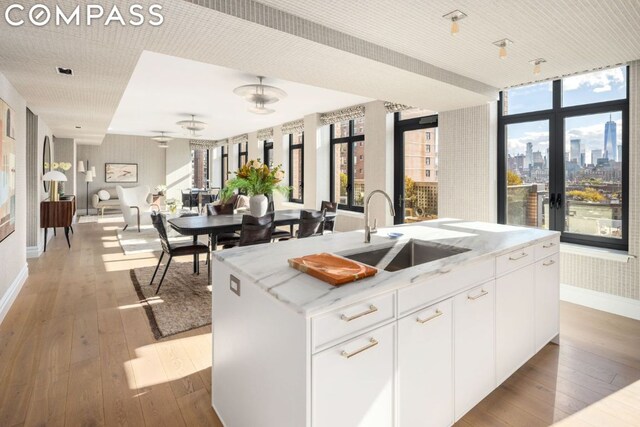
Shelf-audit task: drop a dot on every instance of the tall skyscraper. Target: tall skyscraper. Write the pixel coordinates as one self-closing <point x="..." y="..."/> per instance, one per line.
<point x="610" y="144"/>
<point x="619" y="158"/>
<point x="529" y="157"/>
<point x="595" y="155"/>
<point x="574" y="153"/>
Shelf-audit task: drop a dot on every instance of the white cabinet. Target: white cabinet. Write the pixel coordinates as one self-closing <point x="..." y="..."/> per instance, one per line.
<point x="514" y="320"/>
<point x="425" y="375"/>
<point x="474" y="346"/>
<point x="353" y="382"/>
<point x="547" y="295"/>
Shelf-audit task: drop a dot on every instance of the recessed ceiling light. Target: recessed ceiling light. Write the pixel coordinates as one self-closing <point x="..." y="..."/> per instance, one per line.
<point x="78" y="127"/>
<point x="454" y="17"/>
<point x="64" y="71"/>
<point x="502" y="44"/>
<point x="537" y="65"/>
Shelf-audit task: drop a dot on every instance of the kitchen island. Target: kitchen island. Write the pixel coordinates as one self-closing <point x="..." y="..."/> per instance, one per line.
<point x="455" y="308"/>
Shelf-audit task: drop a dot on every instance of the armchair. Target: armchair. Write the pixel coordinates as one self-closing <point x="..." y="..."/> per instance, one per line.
<point x="135" y="206"/>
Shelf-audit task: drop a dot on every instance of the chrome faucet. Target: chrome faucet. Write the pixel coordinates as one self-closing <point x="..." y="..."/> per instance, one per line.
<point x="367" y="228"/>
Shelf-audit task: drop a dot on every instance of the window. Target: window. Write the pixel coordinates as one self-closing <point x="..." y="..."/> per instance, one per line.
<point x="347" y="164"/>
<point x="224" y="165"/>
<point x="296" y="167"/>
<point x="428" y="173"/>
<point x="428" y="147"/>
<point x="200" y="168"/>
<point x="525" y="99"/>
<point x="268" y="153"/>
<point x="243" y="154"/>
<point x="428" y="160"/>
<point x="565" y="168"/>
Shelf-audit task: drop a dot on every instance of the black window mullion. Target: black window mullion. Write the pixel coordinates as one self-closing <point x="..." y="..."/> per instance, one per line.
<point x="351" y="140"/>
<point x="557" y="180"/>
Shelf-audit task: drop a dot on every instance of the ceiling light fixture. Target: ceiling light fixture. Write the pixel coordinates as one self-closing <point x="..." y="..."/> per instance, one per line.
<point x="162" y="138"/>
<point x="64" y="71"/>
<point x="260" y="95"/>
<point x="192" y="125"/>
<point x="454" y="17"/>
<point x="537" y="68"/>
<point x="502" y="44"/>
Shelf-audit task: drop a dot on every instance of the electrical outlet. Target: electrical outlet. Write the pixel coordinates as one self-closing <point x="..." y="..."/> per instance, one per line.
<point x="234" y="284"/>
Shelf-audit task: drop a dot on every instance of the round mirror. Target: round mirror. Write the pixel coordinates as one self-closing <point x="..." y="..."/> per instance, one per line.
<point x="46" y="161"/>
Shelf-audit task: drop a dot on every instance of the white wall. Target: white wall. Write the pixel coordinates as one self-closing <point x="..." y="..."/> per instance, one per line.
<point x="123" y="149"/>
<point x="467" y="163"/>
<point x="13" y="249"/>
<point x="177" y="168"/>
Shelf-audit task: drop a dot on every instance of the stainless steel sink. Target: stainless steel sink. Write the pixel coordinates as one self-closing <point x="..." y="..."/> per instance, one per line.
<point x="413" y="252"/>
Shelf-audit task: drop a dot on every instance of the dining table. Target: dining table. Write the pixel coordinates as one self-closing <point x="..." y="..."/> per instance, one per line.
<point x="213" y="225"/>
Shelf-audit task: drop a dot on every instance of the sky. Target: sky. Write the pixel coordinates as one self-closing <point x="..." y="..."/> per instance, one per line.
<point x="582" y="89"/>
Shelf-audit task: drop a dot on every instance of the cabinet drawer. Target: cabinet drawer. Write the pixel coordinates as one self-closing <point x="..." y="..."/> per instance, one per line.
<point x="547" y="248"/>
<point x="422" y="294"/>
<point x="333" y="327"/>
<point x="513" y="260"/>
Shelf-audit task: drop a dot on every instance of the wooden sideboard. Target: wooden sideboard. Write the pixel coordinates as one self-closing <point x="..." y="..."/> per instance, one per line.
<point x="57" y="214"/>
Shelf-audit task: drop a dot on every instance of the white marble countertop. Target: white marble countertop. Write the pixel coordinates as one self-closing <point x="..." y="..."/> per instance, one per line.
<point x="267" y="265"/>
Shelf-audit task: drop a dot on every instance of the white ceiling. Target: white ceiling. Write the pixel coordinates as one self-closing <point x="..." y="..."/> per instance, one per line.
<point x="572" y="35"/>
<point x="398" y="51"/>
<point x="149" y="104"/>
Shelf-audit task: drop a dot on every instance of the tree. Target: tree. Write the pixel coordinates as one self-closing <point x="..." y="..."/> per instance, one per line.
<point x="513" y="178"/>
<point x="587" y="195"/>
<point x="409" y="191"/>
<point x="343" y="183"/>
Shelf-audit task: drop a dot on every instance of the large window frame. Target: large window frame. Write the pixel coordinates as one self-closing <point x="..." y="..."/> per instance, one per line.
<point x="267" y="152"/>
<point x="207" y="168"/>
<point x="292" y="148"/>
<point x="243" y="155"/>
<point x="350" y="140"/>
<point x="556" y="117"/>
<point x="224" y="165"/>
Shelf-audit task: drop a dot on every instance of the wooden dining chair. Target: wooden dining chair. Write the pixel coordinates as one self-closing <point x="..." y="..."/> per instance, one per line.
<point x="174" y="249"/>
<point x="311" y="224"/>
<point x="327" y="206"/>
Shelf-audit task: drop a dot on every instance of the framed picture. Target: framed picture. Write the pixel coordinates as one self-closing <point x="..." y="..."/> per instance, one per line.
<point x="121" y="172"/>
<point x="7" y="171"/>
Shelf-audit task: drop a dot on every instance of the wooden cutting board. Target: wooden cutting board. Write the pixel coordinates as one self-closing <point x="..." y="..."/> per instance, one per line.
<point x="332" y="269"/>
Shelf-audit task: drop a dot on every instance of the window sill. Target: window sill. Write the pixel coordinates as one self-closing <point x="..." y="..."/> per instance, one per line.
<point x="601" y="253"/>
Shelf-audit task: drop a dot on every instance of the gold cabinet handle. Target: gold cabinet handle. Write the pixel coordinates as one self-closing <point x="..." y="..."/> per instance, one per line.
<point x="522" y="255"/>
<point x="549" y="245"/>
<point x="480" y="295"/>
<point x="548" y="263"/>
<point x="372" y="309"/>
<point x="372" y="343"/>
<point x="438" y="313"/>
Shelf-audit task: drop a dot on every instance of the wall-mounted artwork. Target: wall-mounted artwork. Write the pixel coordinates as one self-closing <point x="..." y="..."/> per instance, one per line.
<point x="121" y="172"/>
<point x="7" y="171"/>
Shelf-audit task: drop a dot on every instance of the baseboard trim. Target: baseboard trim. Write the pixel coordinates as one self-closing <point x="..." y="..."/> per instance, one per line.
<point x="34" y="251"/>
<point x="13" y="291"/>
<point x="621" y="306"/>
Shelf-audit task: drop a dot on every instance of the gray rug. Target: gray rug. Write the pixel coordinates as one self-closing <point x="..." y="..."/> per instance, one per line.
<point x="184" y="300"/>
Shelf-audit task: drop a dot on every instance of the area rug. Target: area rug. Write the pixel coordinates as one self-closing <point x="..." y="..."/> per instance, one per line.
<point x="184" y="300"/>
<point x="147" y="240"/>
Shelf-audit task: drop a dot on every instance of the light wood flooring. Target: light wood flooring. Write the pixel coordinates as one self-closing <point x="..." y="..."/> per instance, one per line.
<point x="76" y="349"/>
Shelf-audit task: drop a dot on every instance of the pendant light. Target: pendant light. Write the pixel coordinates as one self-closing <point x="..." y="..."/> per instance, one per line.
<point x="260" y="95"/>
<point x="192" y="125"/>
<point x="537" y="67"/>
<point x="502" y="44"/>
<point x="454" y="17"/>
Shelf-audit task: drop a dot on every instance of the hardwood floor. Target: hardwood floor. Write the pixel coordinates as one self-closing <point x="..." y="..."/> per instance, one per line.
<point x="76" y="349"/>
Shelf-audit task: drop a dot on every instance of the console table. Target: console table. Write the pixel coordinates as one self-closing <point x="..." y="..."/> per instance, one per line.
<point x="57" y="214"/>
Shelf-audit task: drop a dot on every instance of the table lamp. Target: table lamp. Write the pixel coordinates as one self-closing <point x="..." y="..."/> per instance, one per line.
<point x="54" y="177"/>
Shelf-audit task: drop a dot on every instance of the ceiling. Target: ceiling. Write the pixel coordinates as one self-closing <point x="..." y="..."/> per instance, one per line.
<point x="573" y="36"/>
<point x="150" y="105"/>
<point x="379" y="49"/>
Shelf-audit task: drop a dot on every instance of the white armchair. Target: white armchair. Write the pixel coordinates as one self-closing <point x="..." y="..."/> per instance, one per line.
<point x="135" y="205"/>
